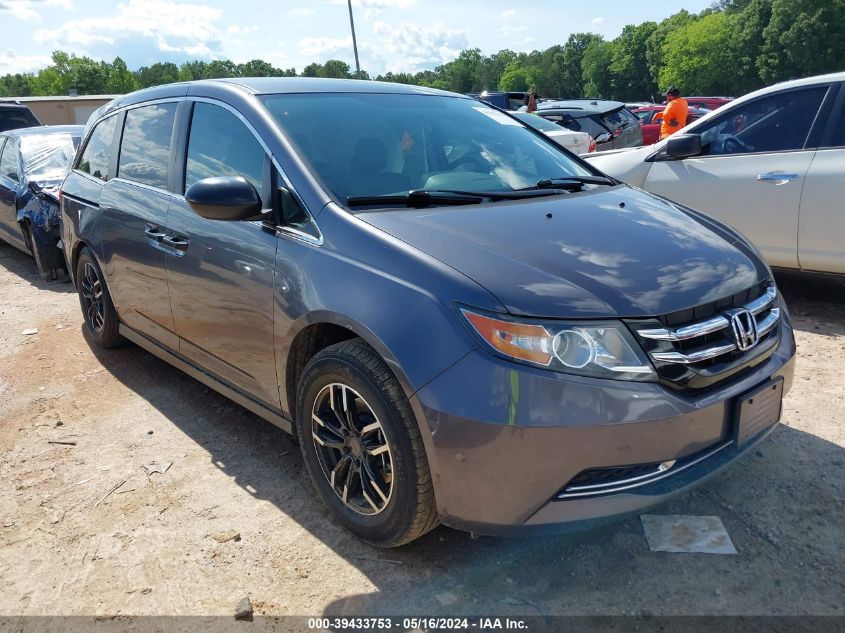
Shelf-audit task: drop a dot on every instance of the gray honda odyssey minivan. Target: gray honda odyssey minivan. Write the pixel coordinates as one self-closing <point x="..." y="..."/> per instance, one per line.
<point x="460" y="321"/>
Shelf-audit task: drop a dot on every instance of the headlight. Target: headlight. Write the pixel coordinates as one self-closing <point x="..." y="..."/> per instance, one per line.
<point x="601" y="349"/>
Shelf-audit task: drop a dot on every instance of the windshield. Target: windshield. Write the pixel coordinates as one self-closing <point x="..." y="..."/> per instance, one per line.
<point x="390" y="144"/>
<point x="47" y="157"/>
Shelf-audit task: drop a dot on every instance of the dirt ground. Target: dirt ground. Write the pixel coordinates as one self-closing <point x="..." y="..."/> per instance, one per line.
<point x="84" y="529"/>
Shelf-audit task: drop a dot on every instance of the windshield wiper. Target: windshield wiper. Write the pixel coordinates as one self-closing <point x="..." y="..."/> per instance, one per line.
<point x="515" y="194"/>
<point x="418" y="199"/>
<point x="574" y="182"/>
<point x="422" y="198"/>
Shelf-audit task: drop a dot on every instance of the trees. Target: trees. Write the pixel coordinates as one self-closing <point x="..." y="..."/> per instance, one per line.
<point x="520" y="76"/>
<point x="733" y="47"/>
<point x="654" y="45"/>
<point x="336" y="69"/>
<point x="632" y="79"/>
<point x="120" y="79"/>
<point x="803" y="38"/>
<point x="696" y="56"/>
<point x="571" y="72"/>
<point x="158" y="74"/>
<point x="595" y="66"/>
<point x="750" y="20"/>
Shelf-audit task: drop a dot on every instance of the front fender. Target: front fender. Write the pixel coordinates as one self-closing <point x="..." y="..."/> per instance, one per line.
<point x="393" y="296"/>
<point x="41" y="210"/>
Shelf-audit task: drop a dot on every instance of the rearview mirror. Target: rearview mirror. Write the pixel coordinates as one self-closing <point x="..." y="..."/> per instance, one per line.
<point x="228" y="198"/>
<point x="683" y="146"/>
<point x="604" y="137"/>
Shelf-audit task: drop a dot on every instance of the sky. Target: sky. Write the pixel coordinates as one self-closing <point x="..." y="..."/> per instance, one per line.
<point x="393" y="35"/>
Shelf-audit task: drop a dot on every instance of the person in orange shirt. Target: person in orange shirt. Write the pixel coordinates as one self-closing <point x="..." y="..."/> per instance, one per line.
<point x="675" y="114"/>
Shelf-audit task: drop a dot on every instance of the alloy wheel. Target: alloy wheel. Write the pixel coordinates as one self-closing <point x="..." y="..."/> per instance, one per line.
<point x="92" y="297"/>
<point x="352" y="449"/>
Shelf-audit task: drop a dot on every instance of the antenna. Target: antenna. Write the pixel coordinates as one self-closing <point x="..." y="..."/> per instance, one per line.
<point x="354" y="41"/>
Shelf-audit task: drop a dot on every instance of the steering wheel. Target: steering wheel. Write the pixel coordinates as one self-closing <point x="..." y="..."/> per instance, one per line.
<point x="468" y="160"/>
<point x="732" y="145"/>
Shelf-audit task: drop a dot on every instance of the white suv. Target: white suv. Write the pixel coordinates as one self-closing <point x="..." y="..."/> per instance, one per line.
<point x="771" y="164"/>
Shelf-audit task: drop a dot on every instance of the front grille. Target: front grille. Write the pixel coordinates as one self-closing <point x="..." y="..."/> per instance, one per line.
<point x="704" y="348"/>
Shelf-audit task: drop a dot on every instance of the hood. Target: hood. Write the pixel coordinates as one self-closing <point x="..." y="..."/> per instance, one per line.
<point x="628" y="165"/>
<point x="621" y="150"/>
<point x="610" y="252"/>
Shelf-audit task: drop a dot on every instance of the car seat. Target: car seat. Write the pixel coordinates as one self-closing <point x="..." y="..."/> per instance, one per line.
<point x="368" y="160"/>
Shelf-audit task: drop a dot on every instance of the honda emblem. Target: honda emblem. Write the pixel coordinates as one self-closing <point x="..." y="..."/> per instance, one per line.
<point x="744" y="327"/>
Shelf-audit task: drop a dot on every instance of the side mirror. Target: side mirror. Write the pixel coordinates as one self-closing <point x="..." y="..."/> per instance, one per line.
<point x="227" y="198"/>
<point x="683" y="146"/>
<point x="604" y="137"/>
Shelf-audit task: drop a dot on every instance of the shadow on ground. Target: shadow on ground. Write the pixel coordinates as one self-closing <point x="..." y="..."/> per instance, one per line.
<point x="24" y="266"/>
<point x="782" y="505"/>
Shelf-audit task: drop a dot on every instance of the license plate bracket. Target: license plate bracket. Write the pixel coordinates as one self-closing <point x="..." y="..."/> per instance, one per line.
<point x="758" y="410"/>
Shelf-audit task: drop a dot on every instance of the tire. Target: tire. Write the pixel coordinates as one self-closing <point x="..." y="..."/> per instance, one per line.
<point x="49" y="260"/>
<point x="378" y="415"/>
<point x="98" y="311"/>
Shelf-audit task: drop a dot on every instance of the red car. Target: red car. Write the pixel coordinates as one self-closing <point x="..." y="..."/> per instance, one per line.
<point x="652" y="116"/>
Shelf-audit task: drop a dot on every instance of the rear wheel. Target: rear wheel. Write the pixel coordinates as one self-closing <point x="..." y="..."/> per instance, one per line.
<point x="48" y="258"/>
<point x="98" y="311"/>
<point x="362" y="447"/>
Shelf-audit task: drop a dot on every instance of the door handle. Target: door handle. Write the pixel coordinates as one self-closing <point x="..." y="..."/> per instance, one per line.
<point x="153" y="232"/>
<point x="777" y="177"/>
<point x="176" y="241"/>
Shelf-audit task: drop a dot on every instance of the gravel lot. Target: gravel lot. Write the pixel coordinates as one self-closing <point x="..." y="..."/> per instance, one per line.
<point x="84" y="529"/>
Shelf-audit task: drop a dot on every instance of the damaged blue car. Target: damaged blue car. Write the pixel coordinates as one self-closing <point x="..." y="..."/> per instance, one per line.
<point x="33" y="163"/>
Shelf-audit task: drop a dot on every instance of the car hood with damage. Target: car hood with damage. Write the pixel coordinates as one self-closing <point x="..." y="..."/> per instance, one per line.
<point x="608" y="252"/>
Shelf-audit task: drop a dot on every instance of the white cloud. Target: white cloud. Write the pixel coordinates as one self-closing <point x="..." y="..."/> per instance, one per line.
<point x="411" y="47"/>
<point x="25" y="9"/>
<point x="372" y="8"/>
<point x="379" y="4"/>
<point x="508" y="13"/>
<point x="10" y="63"/>
<point x="597" y="21"/>
<point x="302" y="12"/>
<point x="184" y="28"/>
<point x="322" y="48"/>
<point x="513" y="29"/>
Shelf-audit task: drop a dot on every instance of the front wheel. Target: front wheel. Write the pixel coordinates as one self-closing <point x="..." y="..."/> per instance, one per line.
<point x="362" y="447"/>
<point x="48" y="258"/>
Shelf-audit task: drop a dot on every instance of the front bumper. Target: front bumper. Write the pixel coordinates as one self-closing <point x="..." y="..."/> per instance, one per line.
<point x="503" y="440"/>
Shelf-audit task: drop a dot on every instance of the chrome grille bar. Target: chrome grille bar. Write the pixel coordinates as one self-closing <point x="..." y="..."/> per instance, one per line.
<point x="709" y="326"/>
<point x="687" y="332"/>
<point x="761" y="303"/>
<point x="763" y="327"/>
<point x="714" y="324"/>
<point x="693" y="357"/>
<point x="766" y="325"/>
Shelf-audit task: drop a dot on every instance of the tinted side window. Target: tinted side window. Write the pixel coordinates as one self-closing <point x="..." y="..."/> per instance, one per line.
<point x="838" y="139"/>
<point x="221" y="145"/>
<point x="15" y="118"/>
<point x="145" y="148"/>
<point x="777" y="123"/>
<point x="9" y="161"/>
<point x="95" y="156"/>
